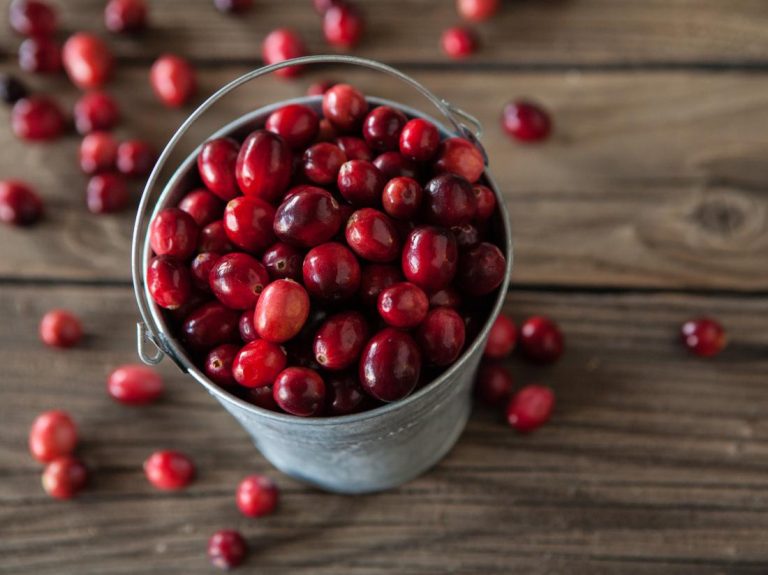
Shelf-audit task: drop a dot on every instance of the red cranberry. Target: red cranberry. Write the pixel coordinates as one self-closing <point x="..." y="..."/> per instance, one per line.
<point x="169" y="470"/>
<point x="283" y="44"/>
<point x="402" y="197"/>
<point x="19" y="204"/>
<point x="248" y="222"/>
<point x="309" y="217"/>
<point x="210" y="325"/>
<point x="541" y="340"/>
<point x="459" y="42"/>
<point x="37" y="118"/>
<point x="216" y="163"/>
<point x="201" y="267"/>
<point x="403" y="305"/>
<point x="283" y="261"/>
<point x="262" y="397"/>
<point x="258" y="363"/>
<point x="394" y="164"/>
<point x="493" y="384"/>
<point x="218" y="364"/>
<point x="466" y="235"/>
<point x="530" y="408"/>
<point x="501" y="338"/>
<point x="263" y="166"/>
<point x="390" y="365"/>
<point x="461" y="157"/>
<point x="213" y="238"/>
<point x="477" y="10"/>
<point x="299" y="391"/>
<point x="247" y="329"/>
<point x="343" y="394"/>
<point x="135" y="158"/>
<point x="173" y="80"/>
<point x="96" y="111"/>
<point x="481" y="269"/>
<point x="233" y="6"/>
<point x="98" y="152"/>
<point x="430" y="258"/>
<point x="135" y="384"/>
<point x="12" y="89"/>
<point x="321" y="6"/>
<point x="32" y="18"/>
<point x="237" y="280"/>
<point x="374" y="279"/>
<point x="296" y="124"/>
<point x="87" y="60"/>
<point x="60" y="328"/>
<point x="327" y="132"/>
<point x="449" y="201"/>
<point x="227" y="549"/>
<point x="419" y="140"/>
<point x="331" y="272"/>
<point x="345" y="107"/>
<point x="446" y="297"/>
<point x="64" y="477"/>
<point x="257" y="495"/>
<point x="343" y="25"/>
<point x="125" y="16"/>
<point x="441" y="336"/>
<point x="360" y="182"/>
<point x="340" y="340"/>
<point x="485" y="200"/>
<point x="372" y="236"/>
<point x="281" y="311"/>
<point x="526" y="121"/>
<point x="40" y="55"/>
<point x="703" y="336"/>
<point x="53" y="434"/>
<point x="107" y="194"/>
<point x="169" y="282"/>
<point x="203" y="206"/>
<point x="322" y="161"/>
<point x="321" y="87"/>
<point x="173" y="233"/>
<point x="382" y="128"/>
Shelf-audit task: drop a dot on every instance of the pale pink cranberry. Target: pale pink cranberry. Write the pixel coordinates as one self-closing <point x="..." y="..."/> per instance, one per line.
<point x="173" y="80"/>
<point x="87" y="60"/>
<point x="64" y="477"/>
<point x="343" y="25"/>
<point x="19" y="204"/>
<point x="53" y="434"/>
<point x="459" y="42"/>
<point x="501" y="338"/>
<point x="703" y="336"/>
<point x="61" y="328"/>
<point x="283" y="44"/>
<point x="526" y="121"/>
<point x="98" y="152"/>
<point x="227" y="549"/>
<point x="459" y="156"/>
<point x="169" y="470"/>
<point x="135" y="384"/>
<point x="257" y="495"/>
<point x="96" y="111"/>
<point x="531" y="407"/>
<point x="477" y="10"/>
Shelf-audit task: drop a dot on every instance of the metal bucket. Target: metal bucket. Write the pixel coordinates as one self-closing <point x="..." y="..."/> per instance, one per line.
<point x="370" y="451"/>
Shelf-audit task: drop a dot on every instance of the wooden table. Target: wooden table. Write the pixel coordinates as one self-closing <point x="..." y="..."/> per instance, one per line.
<point x="648" y="206"/>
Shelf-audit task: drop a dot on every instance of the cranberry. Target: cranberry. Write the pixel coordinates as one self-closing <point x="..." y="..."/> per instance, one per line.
<point x="430" y="258"/>
<point x="541" y="340"/>
<point x="419" y="140"/>
<point x="501" y="338"/>
<point x="374" y="279"/>
<point x="530" y="408"/>
<point x="340" y="340"/>
<point x="248" y="222"/>
<point x="441" y="336"/>
<point x="327" y="131"/>
<point x="283" y="44"/>
<point x="173" y="80"/>
<point x="321" y="6"/>
<point x="703" y="336"/>
<point x="125" y="16"/>
<point x="360" y="182"/>
<point x="322" y="161"/>
<point x="87" y="60"/>
<point x="309" y="217"/>
<point x="107" y="193"/>
<point x="96" y="111"/>
<point x="390" y="365"/>
<point x="19" y="204"/>
<point x="32" y="18"/>
<point x="174" y="233"/>
<point x="60" y="328"/>
<point x="227" y="549"/>
<point x="257" y="495"/>
<point x="493" y="384"/>
<point x="283" y="261"/>
<point x="258" y="363"/>
<point x="169" y="282"/>
<point x="213" y="238"/>
<point x="246" y="327"/>
<point x="262" y="397"/>
<point x="53" y="434"/>
<point x="449" y="200"/>
<point x="263" y="166"/>
<point x="210" y="325"/>
<point x="466" y="235"/>
<point x="345" y="107"/>
<point x="296" y="124"/>
<point x="135" y="384"/>
<point x="299" y="391"/>
<point x="459" y="42"/>
<point x="135" y="158"/>
<point x="343" y="394"/>
<point x="281" y="311"/>
<point x="201" y="267"/>
<point x="98" y="152"/>
<point x="331" y="272"/>
<point x="461" y="157"/>
<point x="477" y="10"/>
<point x="481" y="269"/>
<point x="64" y="477"/>
<point x="12" y="89"/>
<point x="354" y="148"/>
<point x="321" y="87"/>
<point x="37" y="118"/>
<point x="218" y="364"/>
<point x="203" y="206"/>
<point x="237" y="280"/>
<point x="403" y="305"/>
<point x="382" y="128"/>
<point x="40" y="55"/>
<point x="485" y="200"/>
<point x="216" y="163"/>
<point x="169" y="470"/>
<point x="394" y="164"/>
<point x="526" y="121"/>
<point x="402" y="198"/>
<point x="343" y="25"/>
<point x="233" y="6"/>
<point x="372" y="236"/>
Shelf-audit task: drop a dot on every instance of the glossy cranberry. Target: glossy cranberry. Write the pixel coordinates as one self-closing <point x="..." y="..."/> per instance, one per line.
<point x="64" y="477"/>
<point x="343" y="394"/>
<point x="60" y="328"/>
<point x="441" y="336"/>
<point x="32" y="18"/>
<point x="233" y="6"/>
<point x="394" y="165"/>
<point x="174" y="233"/>
<point x="246" y="327"/>
<point x="531" y="407"/>
<point x="322" y="161"/>
<point x="354" y="148"/>
<point x="258" y="363"/>
<point x="461" y="157"/>
<point x="12" y="89"/>
<point x="263" y="167"/>
<point x="321" y="87"/>
<point x="501" y="338"/>
<point x="87" y="60"/>
<point x="331" y="272"/>
<point x="262" y="397"/>
<point x="419" y="140"/>
<point x="374" y="278"/>
<point x="203" y="206"/>
<point x="173" y="79"/>
<point x="402" y="198"/>
<point x="125" y="16"/>
<point x="340" y="340"/>
<point x="96" y="111"/>
<point x="345" y="107"/>
<point x="216" y="164"/>
<point x="257" y="495"/>
<point x="477" y="10"/>
<point x="218" y="364"/>
<point x="210" y="325"/>
<point x="213" y="238"/>
<point x="703" y="336"/>
<point x="485" y="200"/>
<point x="459" y="42"/>
<point x="40" y="55"/>
<point x="107" y="193"/>
<point x="390" y="365"/>
<point x="309" y="217"/>
<point x="53" y="434"/>
<point x="37" y="118"/>
<point x="403" y="305"/>
<point x="237" y="280"/>
<point x="430" y="258"/>
<point x="227" y="549"/>
<point x="481" y="269"/>
<point x="248" y="222"/>
<point x="98" y="152"/>
<point x="19" y="204"/>
<point x="169" y="470"/>
<point x="135" y="384"/>
<point x="526" y="121"/>
<point x="169" y="282"/>
<point x="382" y="128"/>
<point x="135" y="158"/>
<point x="299" y="391"/>
<point x="283" y="261"/>
<point x="201" y="267"/>
<point x="446" y="297"/>
<point x="541" y="340"/>
<point x="372" y="236"/>
<point x="343" y="25"/>
<point x="449" y="201"/>
<point x="283" y="44"/>
<point x="281" y="311"/>
<point x="360" y="182"/>
<point x="493" y="384"/>
<point x="296" y="124"/>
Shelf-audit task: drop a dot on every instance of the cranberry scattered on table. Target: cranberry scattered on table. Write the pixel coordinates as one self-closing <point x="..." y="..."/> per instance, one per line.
<point x="530" y="408"/>
<point x="169" y="470"/>
<point x="19" y="204"/>
<point x="459" y="42"/>
<point x="53" y="434"/>
<point x="526" y="121"/>
<point x="703" y="336"/>
<point x="227" y="549"/>
<point x="61" y="328"/>
<point x="257" y="495"/>
<point x="64" y="477"/>
<point x="135" y="384"/>
<point x="477" y="10"/>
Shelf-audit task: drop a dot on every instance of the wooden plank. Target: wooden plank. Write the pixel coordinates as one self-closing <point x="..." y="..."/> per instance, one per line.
<point x="588" y="32"/>
<point x="655" y="462"/>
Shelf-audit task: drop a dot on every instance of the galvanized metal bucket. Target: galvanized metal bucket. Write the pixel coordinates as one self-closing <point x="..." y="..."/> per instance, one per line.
<point x="365" y="452"/>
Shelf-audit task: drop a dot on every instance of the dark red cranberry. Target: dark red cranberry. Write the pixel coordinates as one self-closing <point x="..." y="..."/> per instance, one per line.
<point x="375" y="278"/>
<point x="481" y="269"/>
<point x="345" y="107"/>
<point x="403" y="305"/>
<point x="96" y="111"/>
<point x="125" y="16"/>
<point x="248" y="222"/>
<point x="449" y="201"/>
<point x="37" y="118"/>
<point x="322" y="161"/>
<point x="541" y="340"/>
<point x="53" y="434"/>
<point x="98" y="152"/>
<point x="201" y="267"/>
<point x="169" y="282"/>
<point x="203" y="206"/>
<point x="173" y="233"/>
<point x="19" y="204"/>
<point x="340" y="340"/>
<point x="213" y="238"/>
<point x="87" y="60"/>
<point x="309" y="217"/>
<point x="173" y="80"/>
<point x="441" y="336"/>
<point x="493" y="384"/>
<point x="466" y="235"/>
<point x="64" y="477"/>
<point x="461" y="157"/>
<point x="331" y="272"/>
<point x="459" y="42"/>
<point x="262" y="397"/>
<point x="210" y="325"/>
<point x="227" y="549"/>
<point x="430" y="258"/>
<point x="169" y="470"/>
<point x="135" y="384"/>
<point x="40" y="55"/>
<point x="402" y="198"/>
<point x="372" y="236"/>
<point x="233" y="6"/>
<point x="107" y="193"/>
<point x="32" y="18"/>
<point x="485" y="200"/>
<point x="263" y="166"/>
<point x="394" y="165"/>
<point x="343" y="394"/>
<point x="354" y="148"/>
<point x="258" y="363"/>
<point x="12" y="89"/>
<point x="299" y="391"/>
<point x="526" y="121"/>
<point x="218" y="364"/>
<point x="237" y="280"/>
<point x="321" y="87"/>
<point x="419" y="140"/>
<point x="343" y="25"/>
<point x="390" y="365"/>
<point x="477" y="10"/>
<point x="531" y="407"/>
<point x="283" y="44"/>
<point x="281" y="311"/>
<point x="360" y="182"/>
<point x="257" y="496"/>
<point x="61" y="328"/>
<point x="247" y="329"/>
<point x="216" y="164"/>
<point x="283" y="261"/>
<point x="501" y="338"/>
<point x="703" y="336"/>
<point x="296" y="124"/>
<point x="382" y="128"/>
<point x="327" y="132"/>
<point x="135" y="158"/>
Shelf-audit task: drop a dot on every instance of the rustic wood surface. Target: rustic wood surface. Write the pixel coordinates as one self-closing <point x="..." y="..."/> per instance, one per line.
<point x="647" y="207"/>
